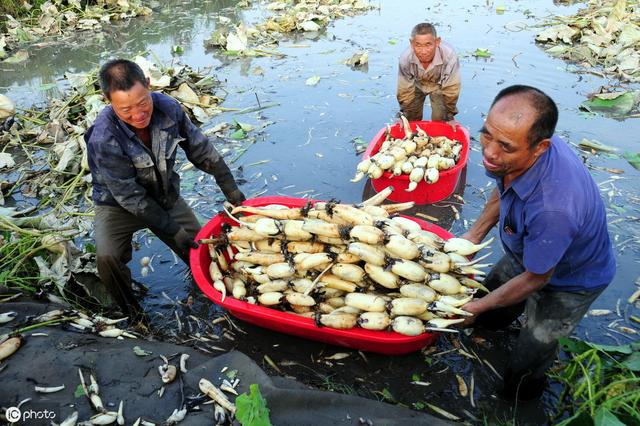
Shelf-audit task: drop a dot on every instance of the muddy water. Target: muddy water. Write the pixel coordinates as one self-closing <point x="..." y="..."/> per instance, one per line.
<point x="308" y="145"/>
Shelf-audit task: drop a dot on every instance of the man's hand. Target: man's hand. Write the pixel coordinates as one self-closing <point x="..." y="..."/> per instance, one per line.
<point x="184" y="241"/>
<point x="236" y="197"/>
<point x="469" y="237"/>
<point x="475" y="308"/>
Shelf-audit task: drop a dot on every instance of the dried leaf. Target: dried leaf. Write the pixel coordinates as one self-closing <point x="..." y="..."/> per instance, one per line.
<point x="338" y="356"/>
<point x="7" y="107"/>
<point x="598" y="146"/>
<point x="312" y="81"/>
<point x="462" y="386"/>
<point x="19" y="56"/>
<point x="6" y="160"/>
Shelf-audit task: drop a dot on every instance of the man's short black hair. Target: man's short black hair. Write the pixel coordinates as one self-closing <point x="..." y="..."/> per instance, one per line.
<point x="545" y="124"/>
<point x="422" y="29"/>
<point x="120" y="74"/>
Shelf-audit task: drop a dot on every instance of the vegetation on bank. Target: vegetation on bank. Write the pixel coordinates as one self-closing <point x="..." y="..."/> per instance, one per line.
<point x="601" y="384"/>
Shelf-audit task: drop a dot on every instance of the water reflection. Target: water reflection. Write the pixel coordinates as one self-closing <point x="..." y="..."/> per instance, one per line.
<point x="440" y="213"/>
<point x="178" y="23"/>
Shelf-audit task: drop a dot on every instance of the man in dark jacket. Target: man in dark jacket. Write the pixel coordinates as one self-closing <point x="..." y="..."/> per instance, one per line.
<point x="132" y="153"/>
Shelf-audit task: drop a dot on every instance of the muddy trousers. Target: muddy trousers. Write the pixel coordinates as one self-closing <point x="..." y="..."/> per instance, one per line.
<point x="414" y="110"/>
<point x="550" y="315"/>
<point x="114" y="228"/>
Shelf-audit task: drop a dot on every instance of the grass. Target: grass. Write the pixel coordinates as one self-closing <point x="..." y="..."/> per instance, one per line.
<point x="601" y="384"/>
<point x="19" y="270"/>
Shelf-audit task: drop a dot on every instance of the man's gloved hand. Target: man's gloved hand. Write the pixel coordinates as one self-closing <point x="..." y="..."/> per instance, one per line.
<point x="184" y="240"/>
<point x="236" y="197"/>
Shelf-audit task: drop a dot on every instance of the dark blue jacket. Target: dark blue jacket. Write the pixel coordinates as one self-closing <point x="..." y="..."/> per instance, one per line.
<point x="126" y="173"/>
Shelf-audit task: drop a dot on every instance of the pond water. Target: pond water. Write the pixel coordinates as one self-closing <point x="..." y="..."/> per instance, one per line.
<point x="308" y="144"/>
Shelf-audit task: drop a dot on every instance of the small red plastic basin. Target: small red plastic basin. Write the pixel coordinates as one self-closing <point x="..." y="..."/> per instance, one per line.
<point x="384" y="342"/>
<point x="425" y="193"/>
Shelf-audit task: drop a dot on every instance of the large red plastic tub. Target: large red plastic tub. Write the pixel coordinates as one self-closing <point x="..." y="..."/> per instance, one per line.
<point x="425" y="193"/>
<point x="384" y="342"/>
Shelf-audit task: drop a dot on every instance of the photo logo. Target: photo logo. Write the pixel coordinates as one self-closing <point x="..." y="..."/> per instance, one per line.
<point x="13" y="414"/>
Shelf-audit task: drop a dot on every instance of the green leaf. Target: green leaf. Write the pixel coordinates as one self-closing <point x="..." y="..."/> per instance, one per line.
<point x="605" y="417"/>
<point x="415" y="377"/>
<point x="251" y="410"/>
<point x="392" y="41"/>
<point x="386" y="394"/>
<point x="618" y="104"/>
<point x="244" y="126"/>
<point x="238" y="134"/>
<point x="633" y="159"/>
<point x="78" y="392"/>
<point x="419" y="405"/>
<point x="177" y="49"/>
<point x="573" y="345"/>
<point x="232" y="374"/>
<point x="632" y="362"/>
<point x="621" y="349"/>
<point x="500" y="9"/>
<point x="482" y="53"/>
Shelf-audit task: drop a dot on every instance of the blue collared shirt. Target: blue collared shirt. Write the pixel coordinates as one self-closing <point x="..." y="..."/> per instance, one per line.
<point x="552" y="216"/>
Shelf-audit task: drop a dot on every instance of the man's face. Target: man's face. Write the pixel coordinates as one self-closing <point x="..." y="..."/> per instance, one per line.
<point x="505" y="147"/>
<point x="133" y="106"/>
<point x="424" y="46"/>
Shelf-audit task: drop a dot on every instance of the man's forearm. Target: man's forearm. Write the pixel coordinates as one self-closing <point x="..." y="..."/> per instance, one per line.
<point x="487" y="219"/>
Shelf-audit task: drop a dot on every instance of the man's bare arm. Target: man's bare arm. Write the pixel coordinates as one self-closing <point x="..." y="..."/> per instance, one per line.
<point x="487" y="219"/>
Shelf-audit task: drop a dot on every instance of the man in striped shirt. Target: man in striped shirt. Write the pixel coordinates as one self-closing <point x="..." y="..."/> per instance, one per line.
<point x="429" y="67"/>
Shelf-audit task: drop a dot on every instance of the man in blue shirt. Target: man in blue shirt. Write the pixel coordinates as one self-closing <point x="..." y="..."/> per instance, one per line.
<point x="552" y="222"/>
<point x="132" y="152"/>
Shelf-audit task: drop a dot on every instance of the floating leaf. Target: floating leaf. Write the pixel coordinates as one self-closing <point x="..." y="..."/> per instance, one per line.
<point x="358" y="59"/>
<point x="310" y="26"/>
<point x="185" y="94"/>
<point x="237" y="41"/>
<point x="19" y="56"/>
<point x="7" y="107"/>
<point x="616" y="103"/>
<point x="500" y="9"/>
<point x="392" y="41"/>
<point x="633" y="159"/>
<point x="598" y="146"/>
<point x="482" y="53"/>
<point x="6" y="160"/>
<point x="238" y="134"/>
<point x="244" y="126"/>
<point x="312" y="81"/>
